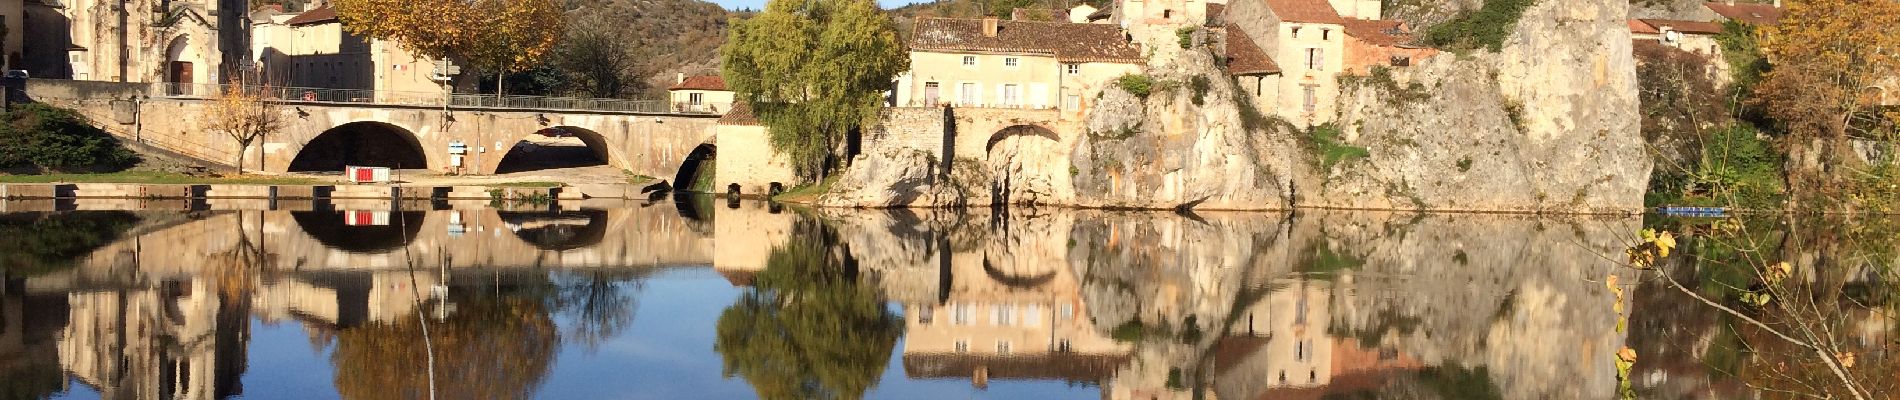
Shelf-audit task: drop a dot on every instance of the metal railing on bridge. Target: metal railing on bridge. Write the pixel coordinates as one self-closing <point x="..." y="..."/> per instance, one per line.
<point x="431" y="99"/>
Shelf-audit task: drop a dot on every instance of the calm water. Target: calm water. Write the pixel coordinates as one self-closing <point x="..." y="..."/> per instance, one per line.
<point x="705" y="299"/>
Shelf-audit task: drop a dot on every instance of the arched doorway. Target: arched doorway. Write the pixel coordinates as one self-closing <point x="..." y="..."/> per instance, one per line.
<point x="368" y="144"/>
<point x="555" y="148"/>
<point x="696" y="171"/>
<point x="179" y="71"/>
<point x="339" y="230"/>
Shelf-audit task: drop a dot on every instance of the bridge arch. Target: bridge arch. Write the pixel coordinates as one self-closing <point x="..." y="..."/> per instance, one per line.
<point x="558" y="230"/>
<point x="555" y="147"/>
<point x="695" y="168"/>
<point x="334" y="230"/>
<point x="362" y="143"/>
<point x="1019" y="131"/>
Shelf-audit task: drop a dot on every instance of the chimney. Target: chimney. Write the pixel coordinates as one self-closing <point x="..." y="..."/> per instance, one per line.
<point x="989" y="26"/>
<point x="679" y="78"/>
<point x="1777" y="3"/>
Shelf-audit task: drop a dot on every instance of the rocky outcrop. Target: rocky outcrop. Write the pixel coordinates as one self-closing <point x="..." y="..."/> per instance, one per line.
<point x="1548" y="124"/>
<point x="1185" y="145"/>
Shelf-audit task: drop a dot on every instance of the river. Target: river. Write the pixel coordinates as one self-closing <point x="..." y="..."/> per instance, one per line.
<point x="664" y="299"/>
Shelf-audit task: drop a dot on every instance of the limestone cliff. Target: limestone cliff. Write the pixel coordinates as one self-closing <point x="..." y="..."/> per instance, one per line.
<point x="1185" y="145"/>
<point x="1547" y="124"/>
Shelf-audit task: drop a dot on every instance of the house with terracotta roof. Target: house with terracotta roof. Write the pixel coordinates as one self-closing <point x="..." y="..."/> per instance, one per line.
<point x="1692" y="36"/>
<point x="310" y="49"/>
<point x="996" y="63"/>
<point x="700" y="94"/>
<point x="1310" y="42"/>
<point x="1745" y="12"/>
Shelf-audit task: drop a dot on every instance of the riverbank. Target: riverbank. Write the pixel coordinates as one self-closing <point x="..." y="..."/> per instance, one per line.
<point x="300" y="191"/>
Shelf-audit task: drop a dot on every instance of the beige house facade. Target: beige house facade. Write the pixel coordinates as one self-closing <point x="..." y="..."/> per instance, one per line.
<point x="1309" y="44"/>
<point x="700" y="94"/>
<point x="312" y="50"/>
<point x="995" y="63"/>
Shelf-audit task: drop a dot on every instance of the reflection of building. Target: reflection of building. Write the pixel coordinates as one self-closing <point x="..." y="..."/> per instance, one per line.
<point x="165" y="342"/>
<point x="1279" y="348"/>
<point x="29" y="357"/>
<point x="345" y="299"/>
<point x="1008" y="323"/>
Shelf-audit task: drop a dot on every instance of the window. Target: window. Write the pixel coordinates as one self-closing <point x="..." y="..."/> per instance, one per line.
<point x="963" y="346"/>
<point x="1012" y="95"/>
<point x="1325" y="35"/>
<point x="1296" y="32"/>
<point x="1259" y="86"/>
<point x="1001" y="315"/>
<point x="1315" y="58"/>
<point x="695" y="98"/>
<point x="1065" y="311"/>
<point x="931" y="94"/>
<point x="1312" y="98"/>
<point x="1071" y="102"/>
<point x="925" y="314"/>
<point x="1299" y="313"/>
<point x="966" y="94"/>
<point x="1063" y="345"/>
<point x="960" y="314"/>
<point x="1009" y="61"/>
<point x="1032" y="315"/>
<point x="1073" y="68"/>
<point x="1002" y="347"/>
<point x="969" y="61"/>
<point x="1167" y="14"/>
<point x="1299" y="351"/>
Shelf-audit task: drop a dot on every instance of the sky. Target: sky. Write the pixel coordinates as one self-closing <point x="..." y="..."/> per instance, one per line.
<point x="759" y="4"/>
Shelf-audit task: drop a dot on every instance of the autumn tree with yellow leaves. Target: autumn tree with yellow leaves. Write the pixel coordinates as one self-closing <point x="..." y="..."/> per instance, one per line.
<point x="244" y="115"/>
<point x="1833" y="62"/>
<point x="495" y="35"/>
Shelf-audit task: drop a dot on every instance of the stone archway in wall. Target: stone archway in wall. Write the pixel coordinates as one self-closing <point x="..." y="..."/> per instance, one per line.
<point x="179" y="71"/>
<point x="553" y="148"/>
<point x="558" y="230"/>
<point x="696" y="170"/>
<point x="367" y="143"/>
<point x="1026" y="164"/>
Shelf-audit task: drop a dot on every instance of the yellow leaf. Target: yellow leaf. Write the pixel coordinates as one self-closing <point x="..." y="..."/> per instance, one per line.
<point x="1664" y="242"/>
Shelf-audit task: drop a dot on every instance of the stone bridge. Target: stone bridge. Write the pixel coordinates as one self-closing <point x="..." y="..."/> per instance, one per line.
<point x="324" y="136"/>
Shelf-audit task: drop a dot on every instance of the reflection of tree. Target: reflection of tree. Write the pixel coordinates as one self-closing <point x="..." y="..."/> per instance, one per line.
<point x="601" y="303"/>
<point x="492" y="346"/>
<point x="39" y="243"/>
<point x="807" y="328"/>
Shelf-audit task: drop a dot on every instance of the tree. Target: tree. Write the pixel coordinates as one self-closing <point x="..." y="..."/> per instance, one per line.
<point x="244" y="116"/>
<point x="813" y="71"/>
<point x="808" y="328"/>
<point x="596" y="58"/>
<point x="497" y="35"/>
<point x="516" y="35"/>
<point x="1830" y="58"/>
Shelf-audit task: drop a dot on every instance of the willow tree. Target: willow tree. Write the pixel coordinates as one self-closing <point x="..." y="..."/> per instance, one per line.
<point x="813" y="70"/>
<point x="1833" y="61"/>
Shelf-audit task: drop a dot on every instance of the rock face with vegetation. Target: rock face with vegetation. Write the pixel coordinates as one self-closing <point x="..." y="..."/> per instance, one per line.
<point x="1183" y="138"/>
<point x="1548" y="123"/>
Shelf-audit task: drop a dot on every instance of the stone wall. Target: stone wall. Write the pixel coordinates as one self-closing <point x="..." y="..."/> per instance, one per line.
<point x="746" y="158"/>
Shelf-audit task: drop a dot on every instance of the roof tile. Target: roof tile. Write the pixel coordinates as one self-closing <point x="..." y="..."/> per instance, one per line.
<point x="317" y="16"/>
<point x="1310" y="11"/>
<point x="1381" y="32"/>
<point x="1245" y="58"/>
<point x="1753" y="13"/>
<point x="1065" y="41"/>
<point x="1704" y="28"/>
<point x="702" y="82"/>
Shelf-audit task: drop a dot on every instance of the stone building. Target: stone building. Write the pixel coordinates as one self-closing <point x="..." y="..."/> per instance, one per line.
<point x="12" y="29"/>
<point x="1310" y="42"/>
<point x="1691" y="36"/>
<point x="700" y="94"/>
<point x="996" y="63"/>
<point x="181" y="41"/>
<point x="312" y="50"/>
<point x="1745" y="12"/>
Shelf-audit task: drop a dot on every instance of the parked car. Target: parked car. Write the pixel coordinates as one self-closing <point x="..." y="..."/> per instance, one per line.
<point x="15" y="73"/>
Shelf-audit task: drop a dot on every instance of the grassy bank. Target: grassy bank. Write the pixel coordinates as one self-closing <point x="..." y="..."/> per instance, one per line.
<point x="806" y="193"/>
<point x="156" y="177"/>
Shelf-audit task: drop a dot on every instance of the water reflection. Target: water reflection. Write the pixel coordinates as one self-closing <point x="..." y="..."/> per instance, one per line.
<point x="480" y="303"/>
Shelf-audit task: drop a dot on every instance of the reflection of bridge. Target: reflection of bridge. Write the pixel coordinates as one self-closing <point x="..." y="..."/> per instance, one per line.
<point x="398" y="132"/>
<point x="308" y="241"/>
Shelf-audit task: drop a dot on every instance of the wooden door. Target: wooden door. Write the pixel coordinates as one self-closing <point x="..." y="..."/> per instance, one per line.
<point x="181" y="77"/>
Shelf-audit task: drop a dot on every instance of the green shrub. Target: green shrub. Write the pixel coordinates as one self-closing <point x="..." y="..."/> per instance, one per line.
<point x="41" y="243"/>
<point x="1138" y="85"/>
<point x="1736" y="168"/>
<point x="1331" y="152"/>
<point x="1186" y="33"/>
<point x="1199" y="85"/>
<point x="1487" y="27"/>
<point x="52" y="138"/>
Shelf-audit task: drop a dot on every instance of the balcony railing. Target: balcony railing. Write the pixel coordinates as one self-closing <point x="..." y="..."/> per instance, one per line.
<point x="420" y="98"/>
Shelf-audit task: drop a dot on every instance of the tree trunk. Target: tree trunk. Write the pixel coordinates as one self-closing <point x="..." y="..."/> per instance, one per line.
<point x="499" y="78"/>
